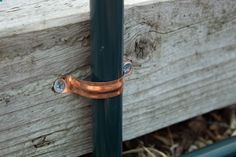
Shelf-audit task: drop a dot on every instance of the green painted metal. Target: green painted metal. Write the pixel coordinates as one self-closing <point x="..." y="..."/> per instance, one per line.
<point x="224" y="148"/>
<point x="106" y="61"/>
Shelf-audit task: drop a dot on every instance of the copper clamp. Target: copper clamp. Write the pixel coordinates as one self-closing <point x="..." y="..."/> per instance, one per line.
<point x="92" y="90"/>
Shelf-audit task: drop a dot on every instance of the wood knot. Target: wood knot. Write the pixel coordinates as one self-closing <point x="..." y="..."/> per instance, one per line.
<point x="5" y="98"/>
<point x="141" y="48"/>
<point x="41" y="141"/>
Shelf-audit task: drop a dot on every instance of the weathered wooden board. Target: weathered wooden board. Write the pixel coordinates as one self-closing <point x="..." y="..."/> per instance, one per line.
<point x="34" y="15"/>
<point x="184" y="55"/>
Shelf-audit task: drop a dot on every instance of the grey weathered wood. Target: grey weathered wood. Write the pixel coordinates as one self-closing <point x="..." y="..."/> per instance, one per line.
<point x="184" y="55"/>
<point x="33" y="15"/>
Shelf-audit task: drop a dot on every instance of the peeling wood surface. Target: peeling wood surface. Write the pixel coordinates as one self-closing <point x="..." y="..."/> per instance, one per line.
<point x="184" y="55"/>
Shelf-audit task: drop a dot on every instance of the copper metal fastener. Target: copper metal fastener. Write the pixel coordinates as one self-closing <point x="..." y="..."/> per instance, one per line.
<point x="92" y="90"/>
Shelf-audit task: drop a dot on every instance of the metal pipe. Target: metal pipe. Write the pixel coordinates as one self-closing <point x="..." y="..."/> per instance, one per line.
<point x="224" y="148"/>
<point x="106" y="62"/>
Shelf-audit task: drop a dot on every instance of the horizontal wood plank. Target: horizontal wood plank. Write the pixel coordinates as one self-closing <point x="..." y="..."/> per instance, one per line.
<point x="184" y="56"/>
<point x="33" y="15"/>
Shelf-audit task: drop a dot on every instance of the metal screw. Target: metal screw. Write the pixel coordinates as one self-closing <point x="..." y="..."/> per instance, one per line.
<point x="127" y="68"/>
<point x="59" y="86"/>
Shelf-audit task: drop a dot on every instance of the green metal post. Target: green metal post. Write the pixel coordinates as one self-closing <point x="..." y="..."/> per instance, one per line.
<point x="107" y="52"/>
<point x="224" y="148"/>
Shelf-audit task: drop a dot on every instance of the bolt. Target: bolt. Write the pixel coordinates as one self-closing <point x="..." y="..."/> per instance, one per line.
<point x="127" y="68"/>
<point x="59" y="86"/>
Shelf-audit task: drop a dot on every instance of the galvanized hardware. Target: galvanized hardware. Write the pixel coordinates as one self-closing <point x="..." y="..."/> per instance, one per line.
<point x="127" y="68"/>
<point x="59" y="86"/>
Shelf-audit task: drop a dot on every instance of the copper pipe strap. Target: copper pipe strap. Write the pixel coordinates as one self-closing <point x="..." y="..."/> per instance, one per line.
<point x="93" y="90"/>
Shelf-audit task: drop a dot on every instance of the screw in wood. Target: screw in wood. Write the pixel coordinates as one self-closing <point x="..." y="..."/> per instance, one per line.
<point x="59" y="86"/>
<point x="127" y="68"/>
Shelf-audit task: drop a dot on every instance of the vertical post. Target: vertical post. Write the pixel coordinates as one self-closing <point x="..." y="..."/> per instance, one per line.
<point x="107" y="52"/>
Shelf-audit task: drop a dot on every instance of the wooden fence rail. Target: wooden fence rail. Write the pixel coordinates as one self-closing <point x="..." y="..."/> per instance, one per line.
<point x="184" y="56"/>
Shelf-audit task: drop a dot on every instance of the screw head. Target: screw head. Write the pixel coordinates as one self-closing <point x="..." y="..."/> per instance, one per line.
<point x="59" y="85"/>
<point x="127" y="68"/>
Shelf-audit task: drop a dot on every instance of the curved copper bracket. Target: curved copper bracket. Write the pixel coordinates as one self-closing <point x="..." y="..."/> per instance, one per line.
<point x="92" y="90"/>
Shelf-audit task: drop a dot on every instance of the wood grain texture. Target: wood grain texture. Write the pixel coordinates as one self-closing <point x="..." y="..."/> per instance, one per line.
<point x="33" y="15"/>
<point x="184" y="56"/>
